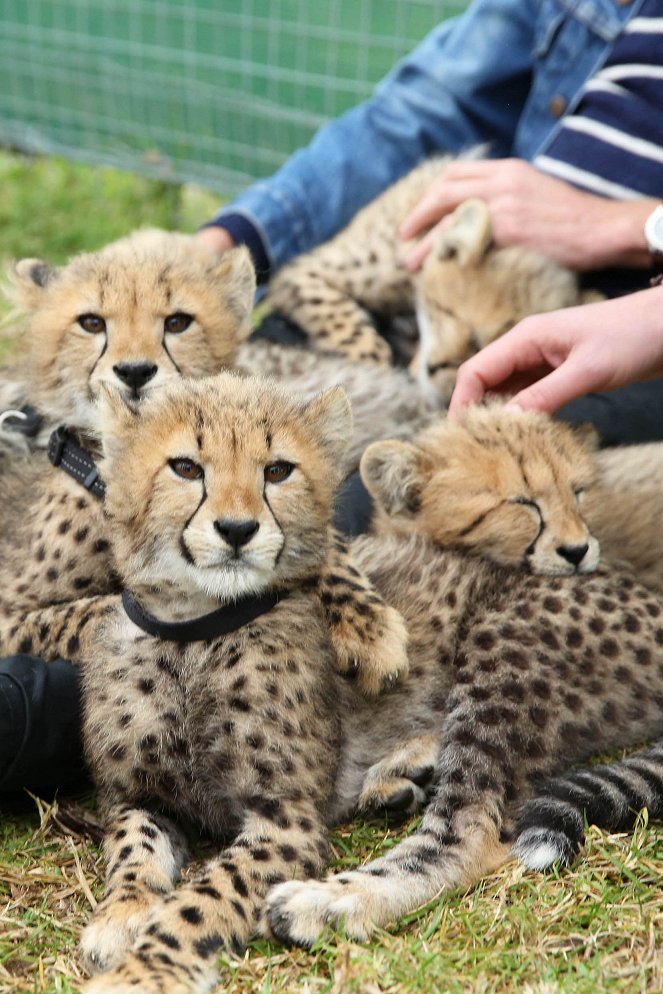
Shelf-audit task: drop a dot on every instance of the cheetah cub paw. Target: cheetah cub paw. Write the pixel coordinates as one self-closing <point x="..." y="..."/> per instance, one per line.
<point x="375" y="652"/>
<point x="112" y="932"/>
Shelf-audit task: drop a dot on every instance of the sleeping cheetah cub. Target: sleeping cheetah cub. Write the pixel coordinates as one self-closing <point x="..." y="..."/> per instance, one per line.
<point x="466" y="294"/>
<point x="150" y="308"/>
<point x="537" y="672"/>
<point x="524" y="490"/>
<point x="219" y="494"/>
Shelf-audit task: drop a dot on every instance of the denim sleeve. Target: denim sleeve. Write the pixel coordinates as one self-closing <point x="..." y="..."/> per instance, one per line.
<point x="465" y="84"/>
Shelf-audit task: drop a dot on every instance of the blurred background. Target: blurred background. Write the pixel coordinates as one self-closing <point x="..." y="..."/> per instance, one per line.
<point x="193" y="90"/>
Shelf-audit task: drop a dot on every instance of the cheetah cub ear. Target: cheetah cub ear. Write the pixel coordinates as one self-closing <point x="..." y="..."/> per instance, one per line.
<point x="330" y="416"/>
<point x="587" y="434"/>
<point x="28" y="279"/>
<point x="235" y="273"/>
<point x="394" y="474"/>
<point x="468" y="236"/>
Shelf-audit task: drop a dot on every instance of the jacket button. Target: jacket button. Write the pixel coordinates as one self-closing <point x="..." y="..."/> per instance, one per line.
<point x="557" y="106"/>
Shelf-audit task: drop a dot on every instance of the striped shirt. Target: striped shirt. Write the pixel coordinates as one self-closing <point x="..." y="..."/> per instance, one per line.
<point x="612" y="143"/>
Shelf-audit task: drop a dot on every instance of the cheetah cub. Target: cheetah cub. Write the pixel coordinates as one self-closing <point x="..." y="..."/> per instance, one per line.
<point x="146" y="310"/>
<point x="211" y="694"/>
<point x="525" y="491"/>
<point x="156" y="305"/>
<point x="533" y="673"/>
<point x="466" y="294"/>
<point x="140" y="313"/>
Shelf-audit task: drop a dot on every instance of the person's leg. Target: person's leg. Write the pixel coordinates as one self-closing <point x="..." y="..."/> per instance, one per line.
<point x="40" y="742"/>
<point x="354" y="507"/>
<point x="622" y="417"/>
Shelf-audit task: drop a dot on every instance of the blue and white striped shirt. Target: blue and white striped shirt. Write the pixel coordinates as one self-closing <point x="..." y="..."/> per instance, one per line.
<point x="612" y="143"/>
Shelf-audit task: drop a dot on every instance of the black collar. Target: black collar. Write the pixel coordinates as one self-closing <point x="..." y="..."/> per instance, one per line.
<point x="64" y="451"/>
<point x="227" y="619"/>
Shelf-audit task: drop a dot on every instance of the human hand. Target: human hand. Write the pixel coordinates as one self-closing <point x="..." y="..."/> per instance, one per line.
<point x="530" y="208"/>
<point x="216" y="238"/>
<point x="550" y="359"/>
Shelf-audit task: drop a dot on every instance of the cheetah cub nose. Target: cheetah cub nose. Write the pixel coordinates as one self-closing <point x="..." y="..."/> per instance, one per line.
<point x="236" y="533"/>
<point x="573" y="554"/>
<point x="135" y="374"/>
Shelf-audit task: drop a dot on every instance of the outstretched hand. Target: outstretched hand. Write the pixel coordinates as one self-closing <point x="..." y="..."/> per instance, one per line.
<point x="550" y="359"/>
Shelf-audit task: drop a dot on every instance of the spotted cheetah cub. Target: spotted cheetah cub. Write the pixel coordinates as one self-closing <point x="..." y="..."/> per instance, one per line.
<point x="152" y="306"/>
<point x="524" y="490"/>
<point x="212" y="694"/>
<point x="466" y="294"/>
<point x="146" y="310"/>
<point x="142" y="312"/>
<point x="536" y="671"/>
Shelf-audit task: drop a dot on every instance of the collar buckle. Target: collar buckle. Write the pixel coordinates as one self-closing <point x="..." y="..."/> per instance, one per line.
<point x="56" y="445"/>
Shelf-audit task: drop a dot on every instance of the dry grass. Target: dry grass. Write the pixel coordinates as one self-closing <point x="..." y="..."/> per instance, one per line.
<point x="591" y="929"/>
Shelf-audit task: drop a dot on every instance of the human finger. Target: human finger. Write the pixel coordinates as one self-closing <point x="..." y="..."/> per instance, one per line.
<point x="442" y="198"/>
<point x="418" y="252"/>
<point x="562" y="385"/>
<point x="510" y="356"/>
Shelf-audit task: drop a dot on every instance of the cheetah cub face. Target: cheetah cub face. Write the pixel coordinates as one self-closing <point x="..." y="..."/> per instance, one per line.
<point x="140" y="312"/>
<point x="504" y="484"/>
<point x="220" y="488"/>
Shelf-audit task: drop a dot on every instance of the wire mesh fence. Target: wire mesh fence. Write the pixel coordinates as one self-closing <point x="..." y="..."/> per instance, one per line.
<point x="215" y="91"/>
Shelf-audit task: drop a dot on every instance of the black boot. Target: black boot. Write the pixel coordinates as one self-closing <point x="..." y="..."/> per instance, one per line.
<point x="40" y="737"/>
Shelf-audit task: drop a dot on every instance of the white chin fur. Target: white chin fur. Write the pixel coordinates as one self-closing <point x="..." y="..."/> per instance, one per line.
<point x="231" y="584"/>
<point x="222" y="583"/>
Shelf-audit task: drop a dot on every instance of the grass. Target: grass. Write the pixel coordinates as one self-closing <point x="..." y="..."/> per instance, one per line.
<point x="588" y="930"/>
<point x="591" y="929"/>
<point x="51" y="209"/>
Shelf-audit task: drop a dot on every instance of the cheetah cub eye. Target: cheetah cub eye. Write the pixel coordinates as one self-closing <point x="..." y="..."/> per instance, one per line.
<point x="186" y="469"/>
<point x="94" y="324"/>
<point x="277" y="472"/>
<point x="176" y="323"/>
<point x="527" y="502"/>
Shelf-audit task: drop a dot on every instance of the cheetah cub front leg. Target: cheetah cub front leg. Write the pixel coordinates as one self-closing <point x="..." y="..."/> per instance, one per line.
<point x="221" y="906"/>
<point x="369" y="636"/>
<point x="144" y="857"/>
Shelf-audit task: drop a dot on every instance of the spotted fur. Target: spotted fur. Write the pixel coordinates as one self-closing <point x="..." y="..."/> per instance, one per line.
<point x="538" y="671"/>
<point x="466" y="294"/>
<point x="551" y="826"/>
<point x="255" y="736"/>
<point x="242" y="734"/>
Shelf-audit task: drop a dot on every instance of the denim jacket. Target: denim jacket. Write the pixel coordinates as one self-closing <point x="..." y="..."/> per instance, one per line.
<point x="501" y="74"/>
